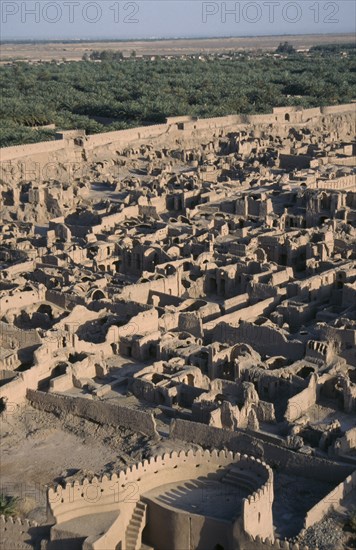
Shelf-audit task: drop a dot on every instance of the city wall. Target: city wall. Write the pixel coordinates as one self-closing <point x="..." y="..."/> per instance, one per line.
<point x="32" y="161"/>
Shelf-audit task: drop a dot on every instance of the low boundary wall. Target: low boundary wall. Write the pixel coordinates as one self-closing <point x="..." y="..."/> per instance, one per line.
<point x="335" y="496"/>
<point x="102" y="412"/>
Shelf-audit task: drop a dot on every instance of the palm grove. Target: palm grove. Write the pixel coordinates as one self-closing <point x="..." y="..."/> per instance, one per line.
<point x="112" y="93"/>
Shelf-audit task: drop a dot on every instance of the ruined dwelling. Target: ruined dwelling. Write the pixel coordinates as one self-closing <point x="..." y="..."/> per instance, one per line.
<point x="193" y="281"/>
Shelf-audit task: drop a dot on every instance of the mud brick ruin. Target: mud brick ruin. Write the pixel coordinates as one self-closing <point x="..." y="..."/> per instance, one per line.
<point x="194" y="282"/>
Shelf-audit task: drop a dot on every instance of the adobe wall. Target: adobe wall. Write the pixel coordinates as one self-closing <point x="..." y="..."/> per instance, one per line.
<point x="240" y="441"/>
<point x="250" y="312"/>
<point x="337" y="109"/>
<point x="180" y="529"/>
<point x="140" y="292"/>
<point x="333" y="498"/>
<point x="143" y="322"/>
<point x="344" y="182"/>
<point x="346" y="443"/>
<point x="22" y="299"/>
<point x="123" y="491"/>
<point x="45" y="360"/>
<point x="103" y="412"/>
<point x="235" y="303"/>
<point x="300" y="403"/>
<point x="16" y="269"/>
<point x="265" y="339"/>
<point x="64" y="300"/>
<point x="15" y="338"/>
<point x="20" y="534"/>
<point x="46" y="159"/>
<point x="29" y="150"/>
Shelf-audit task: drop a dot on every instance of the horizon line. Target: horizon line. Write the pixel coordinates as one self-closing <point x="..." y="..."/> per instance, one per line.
<point x="167" y="38"/>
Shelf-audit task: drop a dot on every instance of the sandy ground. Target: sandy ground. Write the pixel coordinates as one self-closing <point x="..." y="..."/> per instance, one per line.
<point x="75" y="51"/>
<point x="38" y="449"/>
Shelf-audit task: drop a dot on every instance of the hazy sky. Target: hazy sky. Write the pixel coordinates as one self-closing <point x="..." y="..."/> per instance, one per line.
<point x="86" y="19"/>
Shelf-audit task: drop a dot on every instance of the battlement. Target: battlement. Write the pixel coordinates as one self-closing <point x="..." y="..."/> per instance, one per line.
<point x="13" y="520"/>
<point x="109" y="493"/>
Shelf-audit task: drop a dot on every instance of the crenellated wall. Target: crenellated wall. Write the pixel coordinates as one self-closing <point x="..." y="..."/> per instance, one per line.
<point x="121" y="492"/>
<point x="20" y="534"/>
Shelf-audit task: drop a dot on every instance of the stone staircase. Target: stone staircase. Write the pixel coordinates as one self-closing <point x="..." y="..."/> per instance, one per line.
<point x="241" y="478"/>
<point x="135" y="527"/>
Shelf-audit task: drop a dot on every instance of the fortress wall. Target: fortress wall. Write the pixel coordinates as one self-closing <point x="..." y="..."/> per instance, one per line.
<point x="62" y="156"/>
<point x="122" y="492"/>
<point x="20" y="151"/>
<point x="310" y="113"/>
<point x="257" y="512"/>
<point x="152" y="131"/>
<point x="239" y="441"/>
<point x="336" y="109"/>
<point x="103" y="412"/>
<point x="318" y="511"/>
<point x="214" y="122"/>
<point x="105" y="138"/>
<point x="261" y="119"/>
<point x="125" y="136"/>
